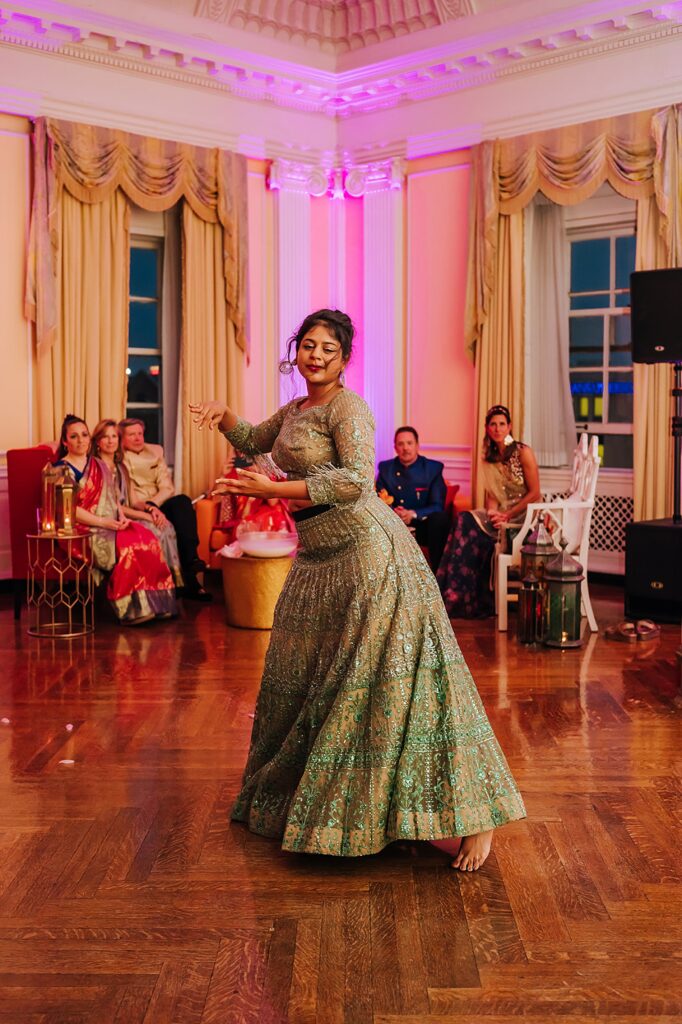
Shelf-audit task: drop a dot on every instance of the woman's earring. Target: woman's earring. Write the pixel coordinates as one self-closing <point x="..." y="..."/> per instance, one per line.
<point x="509" y="440"/>
<point x="286" y="367"/>
<point x="342" y="378"/>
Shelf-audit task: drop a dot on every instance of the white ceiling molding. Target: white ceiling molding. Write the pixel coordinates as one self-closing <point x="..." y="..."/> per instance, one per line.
<point x="410" y="77"/>
<point x="353" y="180"/>
<point x="335" y="27"/>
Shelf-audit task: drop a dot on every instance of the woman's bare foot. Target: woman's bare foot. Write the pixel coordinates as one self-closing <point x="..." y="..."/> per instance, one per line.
<point x="473" y="852"/>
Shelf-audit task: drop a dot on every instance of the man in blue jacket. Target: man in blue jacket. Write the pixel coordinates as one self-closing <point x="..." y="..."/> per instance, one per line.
<point x="418" y="490"/>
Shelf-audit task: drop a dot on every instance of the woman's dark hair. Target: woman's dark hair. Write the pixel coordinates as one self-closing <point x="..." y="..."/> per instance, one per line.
<point x="68" y="421"/>
<point x="339" y="325"/>
<point x="491" y="453"/>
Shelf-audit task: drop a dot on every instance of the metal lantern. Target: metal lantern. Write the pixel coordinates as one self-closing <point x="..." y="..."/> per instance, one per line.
<point x="51" y="475"/>
<point x="66" y="505"/>
<point x="538" y="548"/>
<point x="563" y="577"/>
<point x="531" y="618"/>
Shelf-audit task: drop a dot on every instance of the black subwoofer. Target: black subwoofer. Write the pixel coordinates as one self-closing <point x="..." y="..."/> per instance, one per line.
<point x="656" y="305"/>
<point x="653" y="571"/>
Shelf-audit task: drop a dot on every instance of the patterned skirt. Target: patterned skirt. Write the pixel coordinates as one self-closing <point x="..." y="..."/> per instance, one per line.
<point x="368" y="726"/>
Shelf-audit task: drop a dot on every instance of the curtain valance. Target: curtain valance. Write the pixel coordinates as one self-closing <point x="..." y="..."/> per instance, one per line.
<point x="92" y="162"/>
<point x="567" y="165"/>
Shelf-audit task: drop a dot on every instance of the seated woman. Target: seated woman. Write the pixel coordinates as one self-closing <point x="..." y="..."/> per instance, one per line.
<point x="268" y="514"/>
<point x="106" y="446"/>
<point x="511" y="480"/>
<point x="140" y="585"/>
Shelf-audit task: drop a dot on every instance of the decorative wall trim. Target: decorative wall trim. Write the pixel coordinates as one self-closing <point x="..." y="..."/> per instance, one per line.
<point x="456" y="461"/>
<point x="553" y="39"/>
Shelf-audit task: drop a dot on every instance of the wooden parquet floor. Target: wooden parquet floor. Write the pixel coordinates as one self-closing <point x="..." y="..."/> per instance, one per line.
<point x="126" y="897"/>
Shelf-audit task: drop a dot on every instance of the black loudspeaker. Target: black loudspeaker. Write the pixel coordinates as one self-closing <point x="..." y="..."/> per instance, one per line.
<point x="656" y="304"/>
<point x="653" y="570"/>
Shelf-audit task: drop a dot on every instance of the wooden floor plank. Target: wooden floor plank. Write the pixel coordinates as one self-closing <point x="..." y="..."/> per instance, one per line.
<point x="128" y="897"/>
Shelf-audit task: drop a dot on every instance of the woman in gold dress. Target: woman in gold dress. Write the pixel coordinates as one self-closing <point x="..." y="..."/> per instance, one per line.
<point x="511" y="480"/>
<point x="368" y="726"/>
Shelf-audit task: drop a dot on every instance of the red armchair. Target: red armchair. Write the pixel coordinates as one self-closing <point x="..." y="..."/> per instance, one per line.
<point x="23" y="489"/>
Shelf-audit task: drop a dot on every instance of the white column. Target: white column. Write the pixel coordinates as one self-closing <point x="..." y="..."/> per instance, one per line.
<point x="294" y="183"/>
<point x="381" y="185"/>
<point x="337" y="243"/>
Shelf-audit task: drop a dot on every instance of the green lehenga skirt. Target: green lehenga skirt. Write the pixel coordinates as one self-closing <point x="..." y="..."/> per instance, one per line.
<point x="368" y="726"/>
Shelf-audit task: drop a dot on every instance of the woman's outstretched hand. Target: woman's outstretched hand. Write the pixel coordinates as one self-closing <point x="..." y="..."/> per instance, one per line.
<point x="207" y="414"/>
<point x="249" y="483"/>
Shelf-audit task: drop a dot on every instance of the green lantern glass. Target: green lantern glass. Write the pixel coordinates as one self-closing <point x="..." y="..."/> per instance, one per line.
<point x="531" y="618"/>
<point x="563" y="578"/>
<point x="537" y="550"/>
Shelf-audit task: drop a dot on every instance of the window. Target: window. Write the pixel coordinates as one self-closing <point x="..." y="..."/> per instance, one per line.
<point x="599" y="339"/>
<point x="145" y="363"/>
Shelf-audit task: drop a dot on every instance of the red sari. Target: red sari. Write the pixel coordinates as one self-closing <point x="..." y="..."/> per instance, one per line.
<point x="238" y="508"/>
<point x="140" y="583"/>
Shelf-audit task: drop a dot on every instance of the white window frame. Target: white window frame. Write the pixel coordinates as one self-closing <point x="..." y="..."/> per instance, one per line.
<point x="605" y="215"/>
<point x="147" y="233"/>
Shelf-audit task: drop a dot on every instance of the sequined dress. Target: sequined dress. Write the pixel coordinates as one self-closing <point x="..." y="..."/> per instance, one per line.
<point x="368" y="725"/>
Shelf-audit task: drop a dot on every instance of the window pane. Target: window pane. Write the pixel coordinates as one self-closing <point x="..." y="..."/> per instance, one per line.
<point x="152" y="423"/>
<point x="586" y="340"/>
<point x="625" y="260"/>
<point x="144" y="378"/>
<point x="616" y="451"/>
<point x="620" y="397"/>
<point x="144" y="272"/>
<point x="143" y="330"/>
<point x="590" y="265"/>
<point x="587" y="390"/>
<point x="620" y="353"/>
<point x="590" y="301"/>
<point x="623" y="300"/>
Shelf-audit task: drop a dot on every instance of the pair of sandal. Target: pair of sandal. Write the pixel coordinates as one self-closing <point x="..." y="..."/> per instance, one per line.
<point x="629" y="632"/>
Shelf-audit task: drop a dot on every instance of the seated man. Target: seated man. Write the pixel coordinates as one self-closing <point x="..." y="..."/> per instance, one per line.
<point x="418" y="490"/>
<point x="152" y="490"/>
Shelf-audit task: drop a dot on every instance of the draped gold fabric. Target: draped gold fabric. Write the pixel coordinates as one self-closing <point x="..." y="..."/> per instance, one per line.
<point x="653" y="450"/>
<point x="91" y="163"/>
<point x="640" y="156"/>
<point x="211" y="362"/>
<point x="84" y="371"/>
<point x="499" y="369"/>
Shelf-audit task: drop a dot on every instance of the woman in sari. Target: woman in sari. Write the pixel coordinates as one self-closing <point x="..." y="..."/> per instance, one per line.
<point x="267" y="514"/>
<point x="140" y="585"/>
<point x="511" y="480"/>
<point x="106" y="446"/>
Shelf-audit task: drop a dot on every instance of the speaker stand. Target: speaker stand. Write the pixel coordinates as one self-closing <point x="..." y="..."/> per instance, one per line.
<point x="677" y="441"/>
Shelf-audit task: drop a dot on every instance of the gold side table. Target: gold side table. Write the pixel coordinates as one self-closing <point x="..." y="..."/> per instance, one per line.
<point x="60" y="588"/>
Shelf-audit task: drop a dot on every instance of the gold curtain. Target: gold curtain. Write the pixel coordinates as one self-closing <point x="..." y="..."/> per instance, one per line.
<point x="211" y="362"/>
<point x="84" y="371"/>
<point x="91" y="163"/>
<point x="640" y="156"/>
<point x="499" y="368"/>
<point x="653" y="468"/>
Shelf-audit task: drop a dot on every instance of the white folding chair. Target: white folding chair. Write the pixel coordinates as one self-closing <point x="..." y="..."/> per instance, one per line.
<point x="570" y="517"/>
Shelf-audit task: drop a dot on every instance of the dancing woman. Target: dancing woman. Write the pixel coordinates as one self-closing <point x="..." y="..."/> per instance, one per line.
<point x="368" y="725"/>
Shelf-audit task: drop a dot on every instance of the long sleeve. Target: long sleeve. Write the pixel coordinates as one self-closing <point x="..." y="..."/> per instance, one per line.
<point x="351" y="427"/>
<point x="259" y="439"/>
<point x="436" y="497"/>
<point x="164" y="482"/>
<point x="382" y="483"/>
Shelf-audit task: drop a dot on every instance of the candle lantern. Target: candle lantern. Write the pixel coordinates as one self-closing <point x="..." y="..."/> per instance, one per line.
<point x="51" y="475"/>
<point x="563" y="577"/>
<point x="538" y="548"/>
<point x="531" y="618"/>
<point x="66" y="493"/>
